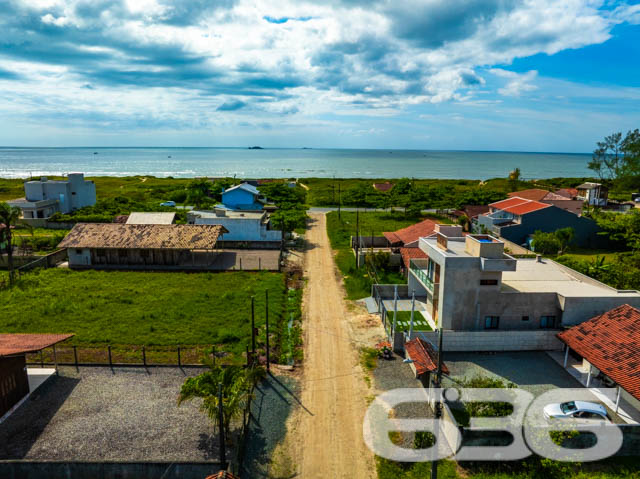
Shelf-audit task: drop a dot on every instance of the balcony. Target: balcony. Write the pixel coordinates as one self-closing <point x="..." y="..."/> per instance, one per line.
<point x="418" y="267"/>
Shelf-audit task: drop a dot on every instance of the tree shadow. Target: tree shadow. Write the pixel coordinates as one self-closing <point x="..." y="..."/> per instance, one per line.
<point x="20" y="431"/>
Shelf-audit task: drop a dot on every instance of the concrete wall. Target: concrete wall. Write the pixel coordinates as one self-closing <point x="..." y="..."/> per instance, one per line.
<point x="552" y="219"/>
<point x="72" y="194"/>
<point x="579" y="310"/>
<point x="471" y="341"/>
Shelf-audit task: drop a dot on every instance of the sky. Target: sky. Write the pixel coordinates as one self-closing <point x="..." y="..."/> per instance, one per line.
<point x="532" y="75"/>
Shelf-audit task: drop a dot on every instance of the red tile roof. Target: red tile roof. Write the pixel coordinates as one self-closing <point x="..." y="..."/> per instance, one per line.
<point x="411" y="253"/>
<point x="535" y="194"/>
<point x="424" y="358"/>
<point x="223" y="475"/>
<point x="11" y="344"/>
<point x="567" y="192"/>
<point x="518" y="206"/>
<point x="383" y="186"/>
<point x="611" y="342"/>
<point x="411" y="233"/>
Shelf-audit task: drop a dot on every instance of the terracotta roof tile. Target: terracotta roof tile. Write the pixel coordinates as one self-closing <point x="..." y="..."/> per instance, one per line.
<point x="611" y="342"/>
<point x="11" y="344"/>
<point x="412" y="253"/>
<point x="535" y="194"/>
<point x="518" y="206"/>
<point x="126" y="236"/>
<point x="411" y="233"/>
<point x="383" y="186"/>
<point x="424" y="357"/>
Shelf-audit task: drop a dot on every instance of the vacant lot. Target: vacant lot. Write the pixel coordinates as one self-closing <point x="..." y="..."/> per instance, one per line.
<point x="163" y="309"/>
<point x="357" y="282"/>
<point x="129" y="414"/>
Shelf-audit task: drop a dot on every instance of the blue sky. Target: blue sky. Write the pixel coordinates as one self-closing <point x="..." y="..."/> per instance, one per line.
<point x="535" y="75"/>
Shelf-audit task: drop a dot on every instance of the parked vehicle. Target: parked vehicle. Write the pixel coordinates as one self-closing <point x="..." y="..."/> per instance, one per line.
<point x="576" y="409"/>
<point x="168" y="203"/>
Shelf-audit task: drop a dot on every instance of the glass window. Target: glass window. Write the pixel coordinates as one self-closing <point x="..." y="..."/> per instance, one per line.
<point x="488" y="282"/>
<point x="547" y="322"/>
<point x="525" y="318"/>
<point x="491" y="322"/>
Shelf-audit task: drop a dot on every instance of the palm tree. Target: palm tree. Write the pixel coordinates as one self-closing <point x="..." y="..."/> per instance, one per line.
<point x="9" y="216"/>
<point x="236" y="384"/>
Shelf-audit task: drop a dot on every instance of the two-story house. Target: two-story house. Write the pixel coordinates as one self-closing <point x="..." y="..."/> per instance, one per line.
<point x="45" y="197"/>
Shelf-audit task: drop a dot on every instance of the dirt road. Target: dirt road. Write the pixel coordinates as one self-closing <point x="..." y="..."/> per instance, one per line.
<point x="325" y="438"/>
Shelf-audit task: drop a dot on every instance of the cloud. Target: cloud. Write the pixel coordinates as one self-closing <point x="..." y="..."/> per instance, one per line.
<point x="231" y="105"/>
<point x="294" y="57"/>
<point x="516" y="84"/>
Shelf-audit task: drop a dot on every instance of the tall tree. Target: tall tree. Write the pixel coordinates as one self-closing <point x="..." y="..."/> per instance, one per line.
<point x="9" y="217"/>
<point x="617" y="159"/>
<point x="514" y="178"/>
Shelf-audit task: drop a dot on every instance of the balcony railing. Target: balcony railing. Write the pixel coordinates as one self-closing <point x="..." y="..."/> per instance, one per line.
<point x="421" y="274"/>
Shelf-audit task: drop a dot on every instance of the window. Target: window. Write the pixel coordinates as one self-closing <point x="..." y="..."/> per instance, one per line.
<point x="73" y="193"/>
<point x="525" y="318"/>
<point x="547" y="322"/>
<point x="491" y="322"/>
<point x="78" y="251"/>
<point x="488" y="282"/>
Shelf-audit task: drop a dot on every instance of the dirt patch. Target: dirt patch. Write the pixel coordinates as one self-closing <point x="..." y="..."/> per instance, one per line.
<point x="324" y="436"/>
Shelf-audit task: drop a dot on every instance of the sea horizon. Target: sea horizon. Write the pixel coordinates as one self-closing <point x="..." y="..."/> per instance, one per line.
<point x="290" y="162"/>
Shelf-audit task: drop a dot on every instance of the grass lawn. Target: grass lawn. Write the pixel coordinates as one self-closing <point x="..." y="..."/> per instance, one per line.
<point x="357" y="281"/>
<point x="589" y="254"/>
<point x="403" y="320"/>
<point x="145" y="308"/>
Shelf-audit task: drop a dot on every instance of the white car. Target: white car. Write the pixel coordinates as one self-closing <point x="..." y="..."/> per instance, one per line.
<point x="577" y="410"/>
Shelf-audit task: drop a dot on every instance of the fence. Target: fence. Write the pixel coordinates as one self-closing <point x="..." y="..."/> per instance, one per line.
<point x="468" y="341"/>
<point x="130" y="356"/>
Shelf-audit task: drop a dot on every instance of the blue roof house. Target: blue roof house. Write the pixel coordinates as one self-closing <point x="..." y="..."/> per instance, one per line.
<point x="242" y="197"/>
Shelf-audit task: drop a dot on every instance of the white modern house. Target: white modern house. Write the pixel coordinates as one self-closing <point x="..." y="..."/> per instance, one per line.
<point x="593" y="194"/>
<point x="471" y="284"/>
<point x="45" y="197"/>
<point x="245" y="228"/>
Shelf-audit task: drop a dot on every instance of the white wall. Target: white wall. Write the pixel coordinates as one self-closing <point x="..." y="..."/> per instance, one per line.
<point x="241" y="229"/>
<point x="79" y="256"/>
<point x="469" y="341"/>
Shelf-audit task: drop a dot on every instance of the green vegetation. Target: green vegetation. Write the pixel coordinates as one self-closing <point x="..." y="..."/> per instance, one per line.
<point x="552" y="242"/>
<point x="38" y="240"/>
<point x="136" y="308"/>
<point x="403" y="320"/>
<point x="8" y="217"/>
<point x="358" y="281"/>
<point x="616" y="160"/>
<point x="369" y="358"/>
<point x="234" y="383"/>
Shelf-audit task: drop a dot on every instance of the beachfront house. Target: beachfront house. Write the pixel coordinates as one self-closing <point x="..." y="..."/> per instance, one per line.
<point x="45" y="197"/>
<point x="517" y="219"/>
<point x="143" y="246"/>
<point x="471" y="284"/>
<point x="243" y="197"/>
<point x="249" y="229"/>
<point x="593" y="194"/>
<point x="559" y="198"/>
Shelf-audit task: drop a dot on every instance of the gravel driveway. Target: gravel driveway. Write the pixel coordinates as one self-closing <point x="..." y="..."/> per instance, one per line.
<point x="129" y="414"/>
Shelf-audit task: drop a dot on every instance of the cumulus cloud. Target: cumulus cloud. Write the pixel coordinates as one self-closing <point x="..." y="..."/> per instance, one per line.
<point x="516" y="83"/>
<point x="291" y="57"/>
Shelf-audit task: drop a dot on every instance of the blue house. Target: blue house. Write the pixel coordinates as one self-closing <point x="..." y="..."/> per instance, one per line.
<point x="242" y="197"/>
<point x="516" y="219"/>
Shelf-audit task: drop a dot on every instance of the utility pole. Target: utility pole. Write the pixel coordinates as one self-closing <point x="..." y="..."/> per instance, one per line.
<point x="223" y="455"/>
<point x="253" y="332"/>
<point x="266" y="315"/>
<point x="438" y="411"/>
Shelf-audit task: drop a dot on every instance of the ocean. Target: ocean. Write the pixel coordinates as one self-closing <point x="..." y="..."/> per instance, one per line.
<point x="288" y="163"/>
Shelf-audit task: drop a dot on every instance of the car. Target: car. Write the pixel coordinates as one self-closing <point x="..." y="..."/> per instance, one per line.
<point x="577" y="410"/>
<point x="168" y="203"/>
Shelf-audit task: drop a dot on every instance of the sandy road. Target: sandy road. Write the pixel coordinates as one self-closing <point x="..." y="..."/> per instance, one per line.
<point x="325" y="439"/>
